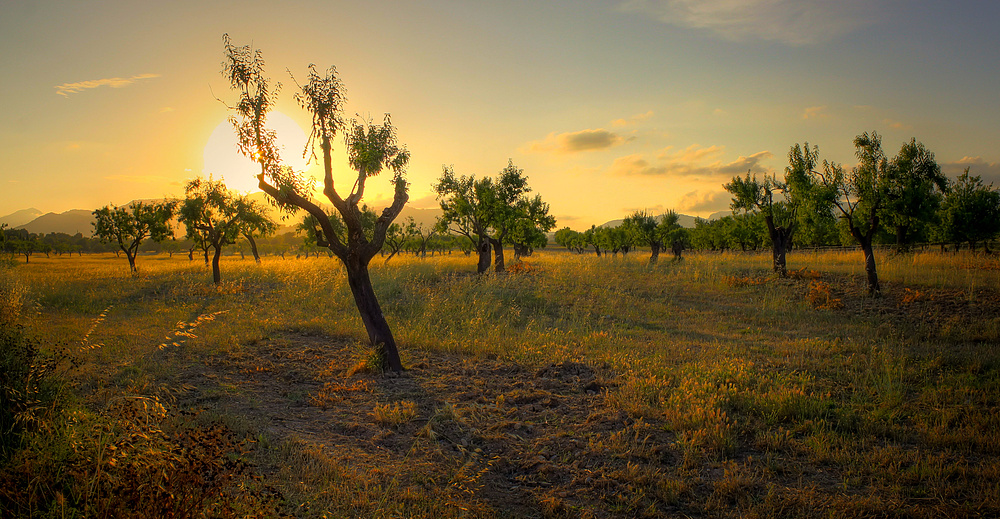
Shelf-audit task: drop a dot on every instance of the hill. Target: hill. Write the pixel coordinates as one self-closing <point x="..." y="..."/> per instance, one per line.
<point x="70" y="222"/>
<point x="20" y="218"/>
<point x="683" y="219"/>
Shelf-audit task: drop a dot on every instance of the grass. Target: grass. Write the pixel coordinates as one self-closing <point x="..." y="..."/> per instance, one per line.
<point x="578" y="386"/>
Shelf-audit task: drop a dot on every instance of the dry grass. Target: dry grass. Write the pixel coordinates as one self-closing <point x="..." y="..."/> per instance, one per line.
<point x="577" y="386"/>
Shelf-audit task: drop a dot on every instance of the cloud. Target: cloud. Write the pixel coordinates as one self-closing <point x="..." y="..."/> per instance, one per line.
<point x="688" y="162"/>
<point x="896" y="125"/>
<point x="573" y="142"/>
<point x="989" y="171"/>
<point x="66" y="89"/>
<point x="791" y="22"/>
<point x="815" y="112"/>
<point x="704" y="202"/>
<point x="635" y="119"/>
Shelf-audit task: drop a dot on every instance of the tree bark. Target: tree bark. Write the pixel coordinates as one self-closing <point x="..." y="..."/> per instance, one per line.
<point x="873" y="285"/>
<point x="483" y="247"/>
<point x="131" y="261"/>
<point x="901" y="238"/>
<point x="371" y="313"/>
<point x="497" y="255"/>
<point x="216" y="273"/>
<point x="253" y="247"/>
<point x="655" y="252"/>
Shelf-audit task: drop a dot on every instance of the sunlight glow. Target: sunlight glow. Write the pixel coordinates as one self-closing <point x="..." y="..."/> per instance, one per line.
<point x="224" y="161"/>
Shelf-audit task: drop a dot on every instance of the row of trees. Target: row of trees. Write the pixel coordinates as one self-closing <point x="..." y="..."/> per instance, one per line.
<point x="899" y="199"/>
<point x="638" y="229"/>
<point x="906" y="195"/>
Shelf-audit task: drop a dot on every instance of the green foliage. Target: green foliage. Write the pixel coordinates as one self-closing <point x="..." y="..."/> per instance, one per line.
<point x="129" y="226"/>
<point x="970" y="212"/>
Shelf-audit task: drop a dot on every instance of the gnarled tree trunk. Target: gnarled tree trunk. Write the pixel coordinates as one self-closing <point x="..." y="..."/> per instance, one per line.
<point x="371" y="313"/>
<point x="483" y="247"/>
<point x="216" y="273"/>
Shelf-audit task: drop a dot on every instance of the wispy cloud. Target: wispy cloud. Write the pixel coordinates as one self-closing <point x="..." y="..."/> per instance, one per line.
<point x="689" y="162"/>
<point x="989" y="171"/>
<point x="705" y="202"/>
<point x="66" y="89"/>
<point x="574" y="142"/>
<point x="815" y="112"/>
<point x="792" y="22"/>
<point x="896" y="125"/>
<point x="635" y="119"/>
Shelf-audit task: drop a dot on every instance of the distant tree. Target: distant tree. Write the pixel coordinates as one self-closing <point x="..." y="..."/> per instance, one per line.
<point x="572" y="240"/>
<point x="643" y="228"/>
<point x="128" y="226"/>
<point x="397" y="235"/>
<point x="914" y="189"/>
<point x="216" y="216"/>
<point x="594" y="237"/>
<point x="421" y="235"/>
<point x="371" y="148"/>
<point x="970" y="212"/>
<point x="677" y="237"/>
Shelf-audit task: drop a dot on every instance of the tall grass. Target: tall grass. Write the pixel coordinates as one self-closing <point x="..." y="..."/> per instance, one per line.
<point x="751" y="381"/>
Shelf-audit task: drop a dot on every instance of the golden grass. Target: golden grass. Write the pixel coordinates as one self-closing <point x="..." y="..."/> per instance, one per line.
<point x="767" y="397"/>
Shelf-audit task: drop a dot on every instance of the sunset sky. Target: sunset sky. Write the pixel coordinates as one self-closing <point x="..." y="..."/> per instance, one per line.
<point x="608" y="106"/>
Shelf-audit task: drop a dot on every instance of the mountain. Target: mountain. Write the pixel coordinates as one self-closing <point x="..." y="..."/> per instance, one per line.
<point x="71" y="222"/>
<point x="20" y="217"/>
<point x="720" y="214"/>
<point x="683" y="219"/>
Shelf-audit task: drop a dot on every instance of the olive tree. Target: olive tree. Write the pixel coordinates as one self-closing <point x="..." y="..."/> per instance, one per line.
<point x="861" y="196"/>
<point x="215" y="217"/>
<point x="129" y="226"/>
<point x="371" y="148"/>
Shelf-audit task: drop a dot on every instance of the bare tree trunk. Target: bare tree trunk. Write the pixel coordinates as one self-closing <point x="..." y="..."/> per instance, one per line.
<point x="483" y="247"/>
<point x="216" y="273"/>
<point x="131" y="261"/>
<point x="873" y="286"/>
<point x="655" y="252"/>
<point x="371" y="314"/>
<point x="253" y="247"/>
<point x="497" y="255"/>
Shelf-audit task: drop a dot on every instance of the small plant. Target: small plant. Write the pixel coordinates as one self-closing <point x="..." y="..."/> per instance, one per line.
<point x="395" y="414"/>
<point x="821" y="297"/>
<point x="804" y="273"/>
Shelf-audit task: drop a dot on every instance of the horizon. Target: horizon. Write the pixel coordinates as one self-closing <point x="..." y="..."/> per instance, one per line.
<point x="608" y="109"/>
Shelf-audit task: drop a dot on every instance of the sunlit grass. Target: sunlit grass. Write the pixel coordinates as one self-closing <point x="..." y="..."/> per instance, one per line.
<point x="756" y="384"/>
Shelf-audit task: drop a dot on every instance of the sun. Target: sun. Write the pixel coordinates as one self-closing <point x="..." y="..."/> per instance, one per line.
<point x="223" y="159"/>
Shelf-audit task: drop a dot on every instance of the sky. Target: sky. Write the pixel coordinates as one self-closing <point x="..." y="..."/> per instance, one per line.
<point x="608" y="106"/>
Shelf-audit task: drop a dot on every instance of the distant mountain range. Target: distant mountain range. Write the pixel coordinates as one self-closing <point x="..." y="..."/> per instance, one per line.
<point x="81" y="220"/>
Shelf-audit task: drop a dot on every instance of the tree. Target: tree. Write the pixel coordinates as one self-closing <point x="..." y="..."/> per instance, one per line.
<point x="397" y="235"/>
<point x="914" y="187"/>
<point x="970" y="212"/>
<point x="129" y="226"/>
<point x="370" y="149"/>
<point x="216" y="216"/>
<point x="797" y="189"/>
<point x="643" y="229"/>
<point x="670" y="231"/>
<point x="465" y="211"/>
<point x="868" y="185"/>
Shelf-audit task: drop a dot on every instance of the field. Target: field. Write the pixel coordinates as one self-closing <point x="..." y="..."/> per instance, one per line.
<point x="575" y="386"/>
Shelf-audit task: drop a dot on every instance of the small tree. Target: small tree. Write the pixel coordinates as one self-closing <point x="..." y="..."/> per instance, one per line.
<point x="914" y="187"/>
<point x="643" y="229"/>
<point x="128" y="226"/>
<point x="397" y="235"/>
<point x="371" y="148"/>
<point x="216" y="217"/>
<point x="867" y="185"/>
<point x="464" y="203"/>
